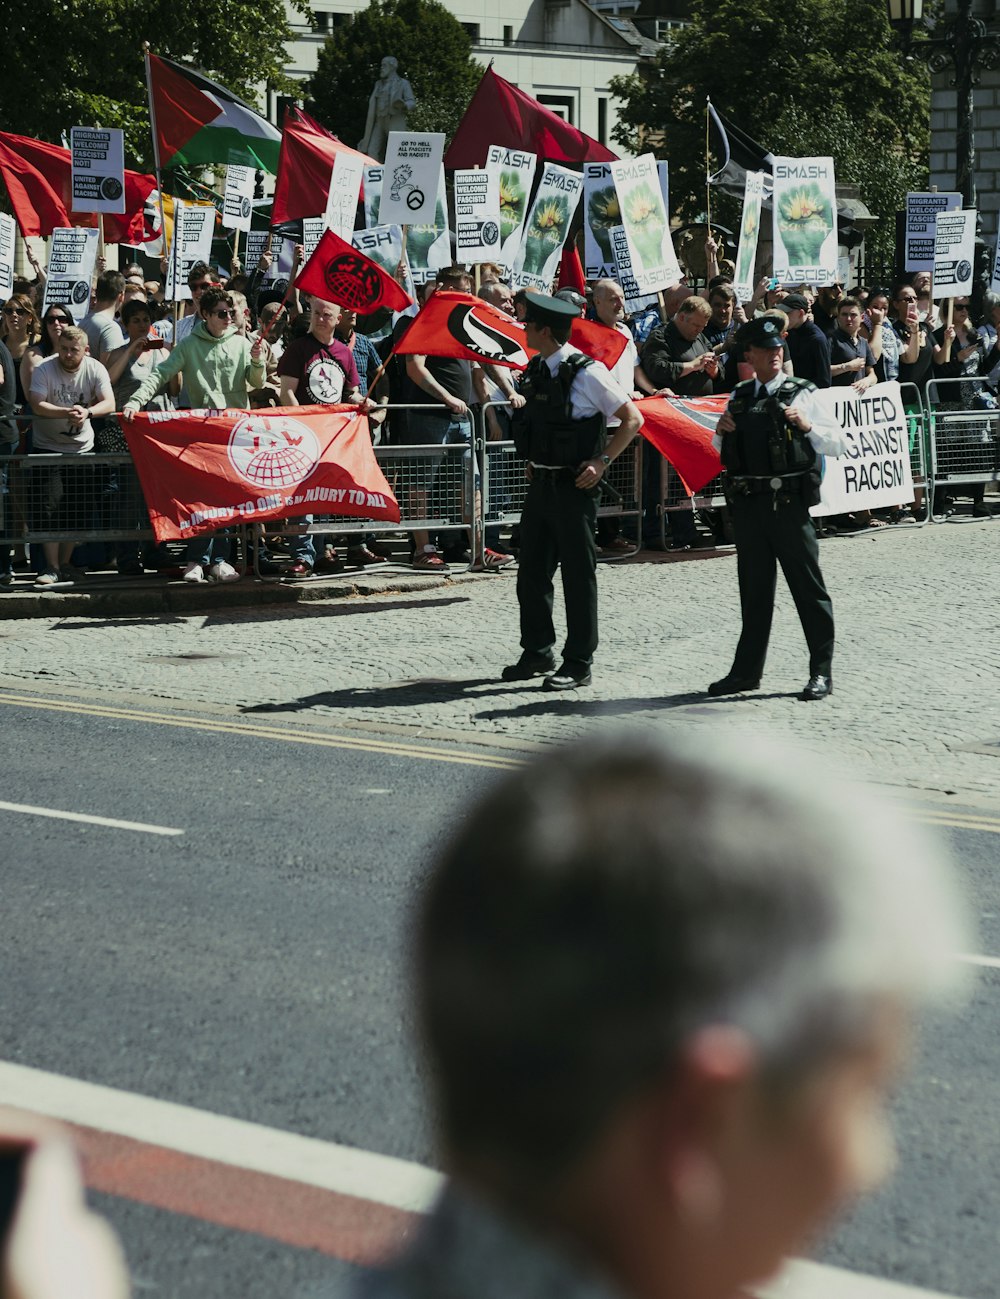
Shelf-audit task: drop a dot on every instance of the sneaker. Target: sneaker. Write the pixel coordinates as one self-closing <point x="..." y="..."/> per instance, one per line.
<point x="194" y="573"/>
<point x="223" y="572"/>
<point x="49" y="578"/>
<point x="6" y="581"/>
<point x="70" y="573"/>
<point x="495" y="559"/>
<point x="429" y="559"/>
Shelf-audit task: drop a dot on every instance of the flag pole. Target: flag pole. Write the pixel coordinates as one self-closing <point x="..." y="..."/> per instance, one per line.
<point x="708" y="172"/>
<point x="156" y="145"/>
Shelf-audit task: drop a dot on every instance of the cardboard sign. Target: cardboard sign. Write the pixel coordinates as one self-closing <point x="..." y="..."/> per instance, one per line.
<point x="546" y="228"/>
<point x="194" y="227"/>
<point x="410" y="178"/>
<point x="875" y="471"/>
<point x="279" y="273"/>
<point x="237" y="202"/>
<point x="634" y="299"/>
<point x="312" y="232"/>
<point x="8" y="233"/>
<point x="384" y="244"/>
<point x="921" y="209"/>
<point x="746" y="256"/>
<point x="373" y="195"/>
<point x="71" y="268"/>
<point x="601" y="215"/>
<point x="342" y="197"/>
<point x="477" y="215"/>
<point x="805" y="221"/>
<point x="98" y="169"/>
<point x="515" y="171"/>
<point x="428" y="246"/>
<point x="647" y="226"/>
<point x="954" y="252"/>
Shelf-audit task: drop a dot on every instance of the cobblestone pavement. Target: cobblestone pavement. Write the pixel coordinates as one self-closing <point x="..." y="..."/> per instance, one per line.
<point x="916" y="672"/>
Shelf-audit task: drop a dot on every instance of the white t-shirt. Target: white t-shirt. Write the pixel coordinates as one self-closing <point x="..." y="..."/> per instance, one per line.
<point x="593" y="389"/>
<point x="85" y="386"/>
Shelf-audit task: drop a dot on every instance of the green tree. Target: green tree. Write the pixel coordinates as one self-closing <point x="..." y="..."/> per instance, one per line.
<point x="81" y="63"/>
<point x="433" y="50"/>
<point x="820" y="77"/>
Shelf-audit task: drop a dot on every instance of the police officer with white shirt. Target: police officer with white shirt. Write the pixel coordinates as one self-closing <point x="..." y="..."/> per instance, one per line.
<point x="561" y="433"/>
<point x="771" y="437"/>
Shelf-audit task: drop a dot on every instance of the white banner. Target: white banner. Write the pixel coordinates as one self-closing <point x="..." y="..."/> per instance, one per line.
<point x="921" y="209"/>
<point x="477" y="215"/>
<point x="72" y="258"/>
<point x="342" y="198"/>
<point x="805" y="221"/>
<point x="373" y="195"/>
<point x="428" y="247"/>
<point x="237" y="201"/>
<point x="410" y="178"/>
<point x="954" y="252"/>
<point x="98" y="169"/>
<point x="746" y="256"/>
<point x="546" y="228"/>
<point x="875" y="470"/>
<point x="647" y="227"/>
<point x="8" y="234"/>
<point x="515" y="171"/>
<point x="192" y="242"/>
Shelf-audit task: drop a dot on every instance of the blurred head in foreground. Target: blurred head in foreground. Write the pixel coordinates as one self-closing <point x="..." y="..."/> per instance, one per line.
<point x="665" y="992"/>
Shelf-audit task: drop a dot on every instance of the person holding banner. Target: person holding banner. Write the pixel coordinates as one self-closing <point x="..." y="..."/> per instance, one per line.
<point x="770" y="438"/>
<point x="560" y="432"/>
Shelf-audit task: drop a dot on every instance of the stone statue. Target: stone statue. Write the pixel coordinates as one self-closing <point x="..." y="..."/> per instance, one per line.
<point x="391" y="100"/>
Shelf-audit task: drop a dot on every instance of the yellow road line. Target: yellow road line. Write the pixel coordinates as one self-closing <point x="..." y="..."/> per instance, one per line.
<point x="958" y="821"/>
<point x="245" y="730"/>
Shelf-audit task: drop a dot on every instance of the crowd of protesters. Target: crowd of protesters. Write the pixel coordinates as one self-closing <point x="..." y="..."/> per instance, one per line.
<point x="241" y="343"/>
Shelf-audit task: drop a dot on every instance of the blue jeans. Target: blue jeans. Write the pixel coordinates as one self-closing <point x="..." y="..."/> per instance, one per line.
<point x="210" y="548"/>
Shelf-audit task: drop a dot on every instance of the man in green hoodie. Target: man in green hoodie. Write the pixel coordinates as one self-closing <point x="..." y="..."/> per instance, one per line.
<point x="220" y="367"/>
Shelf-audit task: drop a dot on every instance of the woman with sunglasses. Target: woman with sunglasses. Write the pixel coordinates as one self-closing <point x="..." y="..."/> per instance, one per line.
<point x="19" y="328"/>
<point x="962" y="440"/>
<point x="220" y="366"/>
<point x="55" y="320"/>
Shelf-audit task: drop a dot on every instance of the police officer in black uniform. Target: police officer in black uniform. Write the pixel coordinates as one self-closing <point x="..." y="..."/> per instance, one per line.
<point x="771" y="437"/>
<point x="561" y="433"/>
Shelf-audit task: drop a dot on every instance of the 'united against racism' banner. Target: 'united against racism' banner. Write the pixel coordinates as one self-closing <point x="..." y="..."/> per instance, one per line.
<point x="202" y="470"/>
<point x="875" y="470"/>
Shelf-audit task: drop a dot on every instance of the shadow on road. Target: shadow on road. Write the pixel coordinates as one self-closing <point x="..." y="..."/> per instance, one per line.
<point x="578" y="705"/>
<point x="395" y="694"/>
<point x="308" y="609"/>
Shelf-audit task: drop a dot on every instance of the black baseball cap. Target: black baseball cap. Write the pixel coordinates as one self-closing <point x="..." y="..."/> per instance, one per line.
<point x="795" y="302"/>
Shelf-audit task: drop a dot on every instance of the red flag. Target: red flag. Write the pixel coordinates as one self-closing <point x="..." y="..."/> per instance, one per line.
<point x="457" y="324"/>
<point x="571" y="274"/>
<point x="682" y="428"/>
<point x="499" y="113"/>
<point x="305" y="166"/>
<point x="202" y="470"/>
<point x="338" y="272"/>
<point x="38" y="176"/>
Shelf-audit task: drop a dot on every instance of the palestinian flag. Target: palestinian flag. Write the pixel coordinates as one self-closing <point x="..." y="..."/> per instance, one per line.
<point x="196" y="122"/>
<point x="682" y="429"/>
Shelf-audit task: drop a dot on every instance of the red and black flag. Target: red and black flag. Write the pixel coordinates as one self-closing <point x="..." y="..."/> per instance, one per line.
<point x="682" y="429"/>
<point x="338" y="272"/>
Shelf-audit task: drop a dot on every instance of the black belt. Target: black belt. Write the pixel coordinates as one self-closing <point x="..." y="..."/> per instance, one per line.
<point x="559" y="471"/>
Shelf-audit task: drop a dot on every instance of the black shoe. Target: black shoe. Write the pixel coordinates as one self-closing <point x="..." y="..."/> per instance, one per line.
<point x="817" y="687"/>
<point x="569" y="676"/>
<point x="733" y="685"/>
<point x="529" y="665"/>
<point x="981" y="511"/>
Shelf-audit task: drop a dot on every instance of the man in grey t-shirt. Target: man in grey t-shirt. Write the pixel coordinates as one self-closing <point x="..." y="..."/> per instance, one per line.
<point x="103" y="331"/>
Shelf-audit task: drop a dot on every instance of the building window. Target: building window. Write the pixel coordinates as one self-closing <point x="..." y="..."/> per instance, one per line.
<point x="321" y="21"/>
<point x="341" y="20"/>
<point x="508" y="36"/>
<point x="561" y="105"/>
<point x="602" y="120"/>
<point x="472" y="31"/>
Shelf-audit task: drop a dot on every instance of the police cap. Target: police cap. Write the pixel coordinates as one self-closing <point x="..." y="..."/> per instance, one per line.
<point x="543" y="310"/>
<point x="761" y="333"/>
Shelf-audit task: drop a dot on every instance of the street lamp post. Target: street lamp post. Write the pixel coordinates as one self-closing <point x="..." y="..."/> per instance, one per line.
<point x="967" y="44"/>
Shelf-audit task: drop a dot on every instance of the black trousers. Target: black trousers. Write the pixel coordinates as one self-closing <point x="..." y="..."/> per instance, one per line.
<point x="766" y="537"/>
<point x="557" y="529"/>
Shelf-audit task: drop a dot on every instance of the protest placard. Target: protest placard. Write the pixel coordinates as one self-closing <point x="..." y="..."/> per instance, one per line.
<point x="634" y="299"/>
<point x="805" y="221"/>
<point x="477" y="215"/>
<point x="647" y="227"/>
<point x="954" y="252"/>
<point x="71" y="268"/>
<point x="279" y="273"/>
<point x="546" y="228"/>
<point x="921" y="209"/>
<point x="373" y="195"/>
<point x="8" y="232"/>
<point x="746" y="256"/>
<point x="384" y="244"/>
<point x="312" y="232"/>
<point x="875" y="470"/>
<point x="601" y="215"/>
<point x="237" y="201"/>
<point x="995" y="276"/>
<point x="194" y="226"/>
<point x="515" y="171"/>
<point x="342" y="197"/>
<point x="428" y="245"/>
<point x="410" y="178"/>
<point x="98" y="169"/>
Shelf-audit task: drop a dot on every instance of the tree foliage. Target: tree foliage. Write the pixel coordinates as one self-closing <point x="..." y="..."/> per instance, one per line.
<point x="820" y="77"/>
<point x="81" y="64"/>
<point x="433" y="49"/>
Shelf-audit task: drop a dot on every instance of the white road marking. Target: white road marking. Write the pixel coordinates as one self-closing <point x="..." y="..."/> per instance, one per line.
<point x="381" y="1179"/>
<point x="28" y="810"/>
<point x="991" y="962"/>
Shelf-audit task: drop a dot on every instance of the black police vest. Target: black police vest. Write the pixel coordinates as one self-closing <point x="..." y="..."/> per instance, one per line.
<point x="763" y="442"/>
<point x="545" y="431"/>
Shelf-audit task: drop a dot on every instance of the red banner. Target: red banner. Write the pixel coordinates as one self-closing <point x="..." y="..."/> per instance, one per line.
<point x="304" y="167"/>
<point x="457" y="324"/>
<point x="682" y="429"/>
<point x="337" y="272"/>
<point x="202" y="470"/>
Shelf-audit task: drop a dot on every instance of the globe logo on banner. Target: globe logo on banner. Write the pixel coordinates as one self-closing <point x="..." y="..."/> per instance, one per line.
<point x="353" y="282"/>
<point x="270" y="453"/>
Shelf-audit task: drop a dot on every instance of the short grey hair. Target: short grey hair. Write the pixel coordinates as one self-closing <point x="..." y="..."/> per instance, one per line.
<point x="991" y="301"/>
<point x="613" y="898"/>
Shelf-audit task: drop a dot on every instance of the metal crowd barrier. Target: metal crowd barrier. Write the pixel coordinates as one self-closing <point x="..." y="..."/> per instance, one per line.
<point x="963" y="442"/>
<point x="71" y="498"/>
<point x="916" y="427"/>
